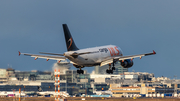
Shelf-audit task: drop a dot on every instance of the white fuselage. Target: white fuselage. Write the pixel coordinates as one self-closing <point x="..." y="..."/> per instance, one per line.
<point x="97" y="55"/>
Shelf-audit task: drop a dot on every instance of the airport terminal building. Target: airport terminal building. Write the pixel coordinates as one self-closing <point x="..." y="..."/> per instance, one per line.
<point x="117" y="85"/>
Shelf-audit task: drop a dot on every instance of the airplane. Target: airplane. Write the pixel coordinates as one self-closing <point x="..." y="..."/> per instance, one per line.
<point x="80" y="58"/>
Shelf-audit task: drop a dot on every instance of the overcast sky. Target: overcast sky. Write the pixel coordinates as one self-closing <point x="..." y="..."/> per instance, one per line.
<point x="137" y="26"/>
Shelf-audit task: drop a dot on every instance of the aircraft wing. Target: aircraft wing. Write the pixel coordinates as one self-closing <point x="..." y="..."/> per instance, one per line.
<point x="51" y="53"/>
<point x="122" y="58"/>
<point x="58" y="58"/>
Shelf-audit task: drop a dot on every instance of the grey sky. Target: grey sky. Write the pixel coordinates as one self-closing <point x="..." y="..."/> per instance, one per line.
<point x="137" y="26"/>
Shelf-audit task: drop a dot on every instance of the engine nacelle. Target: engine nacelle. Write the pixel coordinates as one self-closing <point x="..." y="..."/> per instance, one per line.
<point x="127" y="63"/>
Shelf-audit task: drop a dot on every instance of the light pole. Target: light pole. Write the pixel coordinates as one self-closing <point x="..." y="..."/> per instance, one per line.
<point x="66" y="83"/>
<point x="13" y="94"/>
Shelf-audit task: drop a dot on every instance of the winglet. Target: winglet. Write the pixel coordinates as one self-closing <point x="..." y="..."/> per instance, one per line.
<point x="19" y="53"/>
<point x="154" y="52"/>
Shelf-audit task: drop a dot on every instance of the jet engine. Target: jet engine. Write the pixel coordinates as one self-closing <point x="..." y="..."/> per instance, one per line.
<point x="126" y="63"/>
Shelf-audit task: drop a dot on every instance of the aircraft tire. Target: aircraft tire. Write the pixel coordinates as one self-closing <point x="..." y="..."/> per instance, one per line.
<point x="113" y="68"/>
<point x="107" y="71"/>
<point x="82" y="72"/>
<point x="111" y="71"/>
<point x="78" y="71"/>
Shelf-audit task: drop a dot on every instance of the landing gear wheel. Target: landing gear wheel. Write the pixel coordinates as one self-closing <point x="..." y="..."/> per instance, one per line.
<point x="111" y="71"/>
<point x="107" y="71"/>
<point x="80" y="71"/>
<point x="113" y="68"/>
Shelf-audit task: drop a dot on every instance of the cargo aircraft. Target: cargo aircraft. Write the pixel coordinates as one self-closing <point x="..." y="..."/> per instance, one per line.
<point x="103" y="55"/>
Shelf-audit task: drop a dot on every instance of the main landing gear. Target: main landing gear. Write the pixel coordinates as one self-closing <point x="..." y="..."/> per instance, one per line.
<point x="80" y="71"/>
<point x="110" y="71"/>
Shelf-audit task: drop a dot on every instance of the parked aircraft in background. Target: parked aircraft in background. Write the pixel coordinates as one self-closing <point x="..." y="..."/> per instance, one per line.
<point x="103" y="55"/>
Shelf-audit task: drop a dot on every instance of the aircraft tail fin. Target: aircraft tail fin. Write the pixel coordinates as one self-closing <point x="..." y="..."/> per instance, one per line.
<point x="71" y="46"/>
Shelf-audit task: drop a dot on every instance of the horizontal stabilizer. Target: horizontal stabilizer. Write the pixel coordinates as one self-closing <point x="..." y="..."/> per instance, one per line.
<point x="59" y="58"/>
<point x="75" y="55"/>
